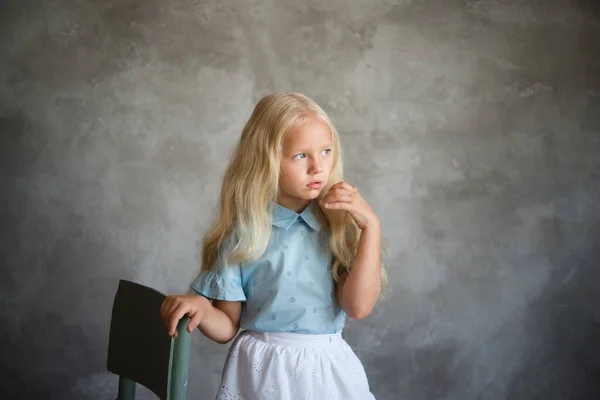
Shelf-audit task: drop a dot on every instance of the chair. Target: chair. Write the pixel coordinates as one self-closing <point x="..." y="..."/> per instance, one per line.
<point x="140" y="349"/>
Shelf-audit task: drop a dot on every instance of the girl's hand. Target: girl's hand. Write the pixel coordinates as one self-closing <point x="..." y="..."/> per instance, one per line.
<point x="174" y="307"/>
<point x="342" y="196"/>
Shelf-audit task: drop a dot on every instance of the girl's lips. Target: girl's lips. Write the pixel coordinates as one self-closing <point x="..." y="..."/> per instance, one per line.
<point x="315" y="185"/>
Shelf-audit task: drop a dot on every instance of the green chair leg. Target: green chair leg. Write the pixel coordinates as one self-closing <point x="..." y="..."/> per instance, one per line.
<point x="126" y="389"/>
<point x="178" y="361"/>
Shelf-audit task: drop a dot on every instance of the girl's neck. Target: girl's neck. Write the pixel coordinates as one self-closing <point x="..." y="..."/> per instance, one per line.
<point x="295" y="205"/>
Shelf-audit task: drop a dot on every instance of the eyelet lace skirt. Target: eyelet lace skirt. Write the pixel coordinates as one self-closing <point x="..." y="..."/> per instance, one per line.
<point x="292" y="366"/>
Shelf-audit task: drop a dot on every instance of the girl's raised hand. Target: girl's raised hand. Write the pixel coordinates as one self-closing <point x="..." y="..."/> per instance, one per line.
<point x="174" y="307"/>
<point x="342" y="196"/>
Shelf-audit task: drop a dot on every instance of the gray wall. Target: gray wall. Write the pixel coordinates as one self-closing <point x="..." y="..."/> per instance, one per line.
<point x="472" y="127"/>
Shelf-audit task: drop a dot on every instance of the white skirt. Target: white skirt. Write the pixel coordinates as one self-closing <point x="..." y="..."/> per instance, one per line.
<point x="292" y="366"/>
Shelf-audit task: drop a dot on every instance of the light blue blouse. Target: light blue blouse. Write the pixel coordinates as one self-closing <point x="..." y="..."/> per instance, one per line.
<point x="290" y="287"/>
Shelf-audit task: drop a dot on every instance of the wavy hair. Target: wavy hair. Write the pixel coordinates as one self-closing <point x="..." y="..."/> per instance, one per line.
<point x="251" y="183"/>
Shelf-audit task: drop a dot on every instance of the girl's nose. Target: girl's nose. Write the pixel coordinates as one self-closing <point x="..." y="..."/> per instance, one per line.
<point x="316" y="167"/>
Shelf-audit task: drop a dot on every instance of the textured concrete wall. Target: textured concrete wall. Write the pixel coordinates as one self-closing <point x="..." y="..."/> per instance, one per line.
<point x="472" y="127"/>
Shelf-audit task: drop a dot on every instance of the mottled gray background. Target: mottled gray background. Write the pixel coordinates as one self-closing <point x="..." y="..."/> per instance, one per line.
<point x="472" y="127"/>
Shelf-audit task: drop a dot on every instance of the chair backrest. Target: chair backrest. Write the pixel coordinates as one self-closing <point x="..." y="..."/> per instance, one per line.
<point x="140" y="348"/>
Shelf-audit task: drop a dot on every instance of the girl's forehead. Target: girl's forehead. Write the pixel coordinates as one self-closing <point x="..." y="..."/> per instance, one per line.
<point x="313" y="133"/>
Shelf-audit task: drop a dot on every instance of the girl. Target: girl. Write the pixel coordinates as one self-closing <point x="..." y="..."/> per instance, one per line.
<point x="293" y="250"/>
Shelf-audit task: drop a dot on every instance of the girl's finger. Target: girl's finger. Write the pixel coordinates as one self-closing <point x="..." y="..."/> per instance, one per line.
<point x="175" y="317"/>
<point x="172" y="306"/>
<point x="326" y="198"/>
<point x="333" y="193"/>
<point x="165" y="309"/>
<point x="162" y="307"/>
<point x="346" y="189"/>
<point x="339" y="197"/>
<point x="343" y="184"/>
<point x="194" y="321"/>
<point x="339" y="206"/>
<point x="347" y="186"/>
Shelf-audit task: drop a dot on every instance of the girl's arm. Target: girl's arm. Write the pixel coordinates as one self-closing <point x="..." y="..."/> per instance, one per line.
<point x="360" y="291"/>
<point x="219" y="321"/>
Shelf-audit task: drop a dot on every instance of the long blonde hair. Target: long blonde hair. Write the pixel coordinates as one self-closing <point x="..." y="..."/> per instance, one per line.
<point x="251" y="182"/>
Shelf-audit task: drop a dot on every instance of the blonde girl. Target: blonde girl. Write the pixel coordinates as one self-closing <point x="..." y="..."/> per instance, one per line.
<point x="294" y="249"/>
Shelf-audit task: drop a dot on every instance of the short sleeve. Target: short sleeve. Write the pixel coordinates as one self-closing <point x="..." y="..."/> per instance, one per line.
<point x="222" y="282"/>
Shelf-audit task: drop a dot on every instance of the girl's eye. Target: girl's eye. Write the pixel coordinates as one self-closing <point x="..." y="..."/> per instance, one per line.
<point x="326" y="152"/>
<point x="299" y="156"/>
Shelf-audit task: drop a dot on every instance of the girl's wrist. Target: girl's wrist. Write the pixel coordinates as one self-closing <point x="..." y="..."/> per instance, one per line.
<point x="202" y="301"/>
<point x="370" y="225"/>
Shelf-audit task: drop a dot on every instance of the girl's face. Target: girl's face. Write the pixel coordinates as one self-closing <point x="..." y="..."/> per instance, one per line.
<point x="306" y="163"/>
